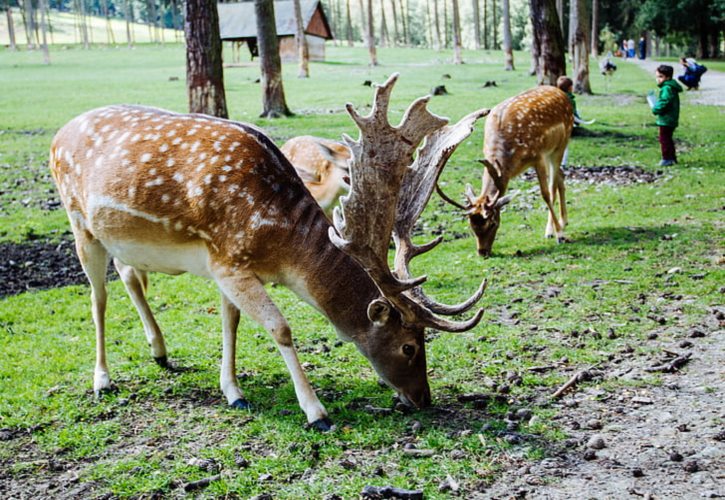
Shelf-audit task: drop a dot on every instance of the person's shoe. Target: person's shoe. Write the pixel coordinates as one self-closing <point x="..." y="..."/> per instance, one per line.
<point x="667" y="163"/>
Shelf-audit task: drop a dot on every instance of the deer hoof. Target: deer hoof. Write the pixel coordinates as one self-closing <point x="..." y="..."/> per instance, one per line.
<point x="322" y="425"/>
<point x="111" y="389"/>
<point x="241" y="404"/>
<point x="162" y="361"/>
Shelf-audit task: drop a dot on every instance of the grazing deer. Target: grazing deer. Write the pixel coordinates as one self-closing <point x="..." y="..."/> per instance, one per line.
<point x="322" y="166"/>
<point x="531" y="129"/>
<point x="160" y="191"/>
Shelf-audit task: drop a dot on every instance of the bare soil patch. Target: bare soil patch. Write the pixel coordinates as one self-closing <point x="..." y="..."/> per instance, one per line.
<point x="612" y="175"/>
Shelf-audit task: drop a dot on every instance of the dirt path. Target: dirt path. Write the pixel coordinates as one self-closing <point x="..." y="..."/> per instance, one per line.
<point x="663" y="441"/>
<point x="712" y="85"/>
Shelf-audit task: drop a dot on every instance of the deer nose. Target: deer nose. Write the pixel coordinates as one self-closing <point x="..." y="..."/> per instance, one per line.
<point x="421" y="400"/>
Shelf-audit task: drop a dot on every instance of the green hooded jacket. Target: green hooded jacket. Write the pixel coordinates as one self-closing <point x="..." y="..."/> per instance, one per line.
<point x="667" y="107"/>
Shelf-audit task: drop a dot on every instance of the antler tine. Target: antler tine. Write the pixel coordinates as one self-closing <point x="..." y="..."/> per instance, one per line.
<point x="417" y="188"/>
<point x="448" y="310"/>
<point x="449" y="199"/>
<point x="494" y="172"/>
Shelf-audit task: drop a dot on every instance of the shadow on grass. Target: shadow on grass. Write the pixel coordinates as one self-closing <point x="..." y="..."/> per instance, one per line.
<point x="623" y="237"/>
<point x="609" y="134"/>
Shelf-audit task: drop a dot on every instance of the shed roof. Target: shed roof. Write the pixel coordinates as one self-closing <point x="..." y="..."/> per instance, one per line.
<point x="238" y="20"/>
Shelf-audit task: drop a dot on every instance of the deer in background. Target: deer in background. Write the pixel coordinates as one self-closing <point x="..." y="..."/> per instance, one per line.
<point x="160" y="191"/>
<point x="322" y="166"/>
<point x="531" y="129"/>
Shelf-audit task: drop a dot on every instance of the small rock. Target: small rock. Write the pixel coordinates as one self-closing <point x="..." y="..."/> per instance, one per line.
<point x="720" y="436"/>
<point x="590" y="455"/>
<point x="439" y="90"/>
<point x="416" y="426"/>
<point x="596" y="442"/>
<point x="458" y="454"/>
<point x="241" y="462"/>
<point x="523" y="414"/>
<point x="684" y="344"/>
<point x="416" y="453"/>
<point x="348" y="464"/>
<point x="449" y="484"/>
<point x="691" y="466"/>
<point x="642" y="400"/>
<point x="637" y="472"/>
<point x="674" y="270"/>
<point x="594" y="424"/>
<point x="675" y="457"/>
<point x="263" y="478"/>
<point x="652" y="336"/>
<point x="696" y="334"/>
<point x="683" y="428"/>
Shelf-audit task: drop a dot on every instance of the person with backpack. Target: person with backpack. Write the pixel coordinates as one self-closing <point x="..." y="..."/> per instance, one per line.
<point x="693" y="73"/>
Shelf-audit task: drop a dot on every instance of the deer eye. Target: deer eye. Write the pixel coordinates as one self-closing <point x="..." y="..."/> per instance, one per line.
<point x="408" y="350"/>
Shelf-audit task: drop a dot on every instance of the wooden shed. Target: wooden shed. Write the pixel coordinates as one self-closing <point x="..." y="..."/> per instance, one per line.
<point x="237" y="23"/>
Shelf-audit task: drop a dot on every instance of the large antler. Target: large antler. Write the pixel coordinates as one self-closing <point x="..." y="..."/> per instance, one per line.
<point x="380" y="165"/>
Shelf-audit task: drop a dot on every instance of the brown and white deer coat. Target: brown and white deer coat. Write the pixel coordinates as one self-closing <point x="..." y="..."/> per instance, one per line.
<point x="160" y="191"/>
<point x="531" y="129"/>
<point x="322" y="166"/>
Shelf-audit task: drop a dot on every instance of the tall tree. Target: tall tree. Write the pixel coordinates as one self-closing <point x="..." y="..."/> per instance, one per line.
<point x="204" y="71"/>
<point x="507" y="43"/>
<point x="371" y="36"/>
<point x="595" y="28"/>
<point x="303" y="52"/>
<point x="476" y="26"/>
<point x="384" y="36"/>
<point x="579" y="43"/>
<point x="11" y="26"/>
<point x="404" y="22"/>
<point x="29" y="23"/>
<point x="429" y="23"/>
<point x="43" y="30"/>
<point x="560" y="13"/>
<point x="494" y="27"/>
<point x="363" y="23"/>
<point x="457" y="58"/>
<point x="548" y="42"/>
<point x="273" y="100"/>
<point x="396" y="35"/>
<point x="437" y="44"/>
<point x="110" y="38"/>
<point x="485" y="25"/>
<point x="129" y="19"/>
<point x="446" y="31"/>
<point x="348" y="24"/>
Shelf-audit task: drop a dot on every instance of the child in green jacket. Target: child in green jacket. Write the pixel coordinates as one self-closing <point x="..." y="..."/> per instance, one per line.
<point x="667" y="110"/>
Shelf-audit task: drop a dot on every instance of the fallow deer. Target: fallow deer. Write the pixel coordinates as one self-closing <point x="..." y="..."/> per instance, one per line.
<point x="160" y="191"/>
<point x="322" y="166"/>
<point x="531" y="129"/>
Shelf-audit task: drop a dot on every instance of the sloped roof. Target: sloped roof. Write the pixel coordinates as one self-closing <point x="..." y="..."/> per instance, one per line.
<point x="238" y="20"/>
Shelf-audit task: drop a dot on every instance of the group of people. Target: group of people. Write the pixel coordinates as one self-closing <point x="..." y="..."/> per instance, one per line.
<point x="628" y="48"/>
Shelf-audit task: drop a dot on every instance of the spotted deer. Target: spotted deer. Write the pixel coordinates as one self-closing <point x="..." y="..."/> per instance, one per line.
<point x="174" y="193"/>
<point x="531" y="129"/>
<point x="322" y="166"/>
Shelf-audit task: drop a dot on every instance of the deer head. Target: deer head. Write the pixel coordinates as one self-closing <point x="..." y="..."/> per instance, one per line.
<point x="388" y="192"/>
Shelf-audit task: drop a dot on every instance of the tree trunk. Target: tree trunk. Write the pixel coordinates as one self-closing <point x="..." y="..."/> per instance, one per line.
<point x="273" y="99"/>
<point x="548" y="43"/>
<point x="494" y="27"/>
<point x="404" y="19"/>
<point x="129" y="16"/>
<point x="437" y="25"/>
<point x="595" y="28"/>
<point x="371" y="36"/>
<point x="560" y="13"/>
<point x="396" y="35"/>
<point x="429" y="23"/>
<point x="348" y="20"/>
<point x="11" y="28"/>
<point x="204" y="71"/>
<point x="363" y="23"/>
<point x="507" y="45"/>
<point x="476" y="26"/>
<point x="29" y="24"/>
<point x="485" y="25"/>
<point x="175" y="18"/>
<point x="110" y="38"/>
<point x="303" y="52"/>
<point x="384" y="36"/>
<point x="43" y="30"/>
<point x="446" y="36"/>
<point x="457" y="59"/>
<point x="579" y="21"/>
<point x="83" y="24"/>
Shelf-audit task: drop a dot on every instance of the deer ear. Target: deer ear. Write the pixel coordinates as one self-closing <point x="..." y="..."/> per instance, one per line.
<point x="379" y="311"/>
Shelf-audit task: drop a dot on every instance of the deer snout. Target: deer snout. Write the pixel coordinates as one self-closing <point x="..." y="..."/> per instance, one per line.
<point x="420" y="398"/>
<point x="484" y="252"/>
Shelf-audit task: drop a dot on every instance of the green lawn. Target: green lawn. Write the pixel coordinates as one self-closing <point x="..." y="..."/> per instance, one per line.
<point x="584" y="300"/>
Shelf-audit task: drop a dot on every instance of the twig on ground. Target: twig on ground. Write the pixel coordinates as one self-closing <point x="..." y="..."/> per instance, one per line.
<point x="201" y="483"/>
<point x="391" y="492"/>
<point x="671" y="366"/>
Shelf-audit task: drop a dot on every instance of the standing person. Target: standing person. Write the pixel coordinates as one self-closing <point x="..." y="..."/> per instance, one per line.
<point x="667" y="110"/>
<point x="630" y="48"/>
<point x="642" y="47"/>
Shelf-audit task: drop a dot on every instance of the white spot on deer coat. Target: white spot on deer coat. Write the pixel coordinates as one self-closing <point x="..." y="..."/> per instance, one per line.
<point x="145" y="158"/>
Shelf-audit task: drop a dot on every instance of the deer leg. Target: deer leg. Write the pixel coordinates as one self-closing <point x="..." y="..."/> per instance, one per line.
<point x="94" y="260"/>
<point x="552" y="225"/>
<point x="248" y="294"/>
<point x="228" y="374"/>
<point x="136" y="283"/>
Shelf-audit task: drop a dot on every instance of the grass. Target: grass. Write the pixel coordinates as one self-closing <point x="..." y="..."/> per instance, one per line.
<point x="584" y="301"/>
